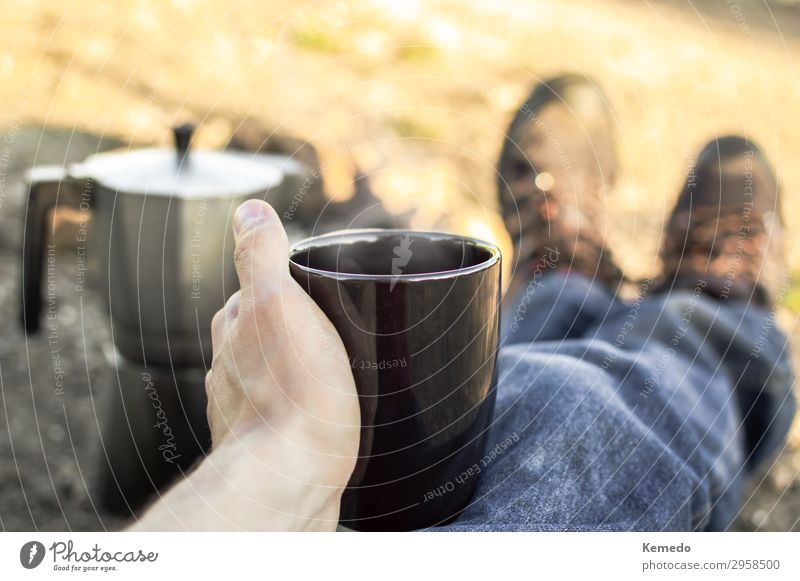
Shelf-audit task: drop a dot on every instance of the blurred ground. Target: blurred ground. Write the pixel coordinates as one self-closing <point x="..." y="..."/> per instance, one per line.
<point x="415" y="93"/>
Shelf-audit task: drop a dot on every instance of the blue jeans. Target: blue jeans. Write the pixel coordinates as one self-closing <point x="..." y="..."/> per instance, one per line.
<point x="629" y="415"/>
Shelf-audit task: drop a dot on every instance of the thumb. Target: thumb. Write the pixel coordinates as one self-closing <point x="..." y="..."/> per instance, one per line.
<point x="262" y="249"/>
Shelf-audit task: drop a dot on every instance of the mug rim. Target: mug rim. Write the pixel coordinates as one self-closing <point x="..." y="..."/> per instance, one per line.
<point x="494" y="254"/>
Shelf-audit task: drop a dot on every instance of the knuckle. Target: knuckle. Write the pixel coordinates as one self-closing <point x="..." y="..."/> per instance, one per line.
<point x="264" y="310"/>
<point x="224" y="318"/>
<point x="216" y="321"/>
<point x="269" y="301"/>
<point x="242" y="251"/>
<point x="207" y="382"/>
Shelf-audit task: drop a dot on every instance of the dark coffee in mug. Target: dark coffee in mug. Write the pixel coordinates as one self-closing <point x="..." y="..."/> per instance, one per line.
<point x="418" y="313"/>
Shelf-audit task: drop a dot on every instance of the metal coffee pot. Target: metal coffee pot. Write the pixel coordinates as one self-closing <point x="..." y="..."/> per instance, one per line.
<point x="160" y="239"/>
<point x="161" y="223"/>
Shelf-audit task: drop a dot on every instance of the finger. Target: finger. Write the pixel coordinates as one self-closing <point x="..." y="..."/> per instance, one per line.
<point x="232" y="306"/>
<point x="262" y="249"/>
<point x="223" y="319"/>
<point x="207" y="382"/>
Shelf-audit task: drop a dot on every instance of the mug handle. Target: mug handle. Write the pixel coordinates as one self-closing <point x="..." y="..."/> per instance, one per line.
<point x="49" y="188"/>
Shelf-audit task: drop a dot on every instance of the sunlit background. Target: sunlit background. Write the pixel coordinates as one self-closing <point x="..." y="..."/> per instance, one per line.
<point x="417" y="94"/>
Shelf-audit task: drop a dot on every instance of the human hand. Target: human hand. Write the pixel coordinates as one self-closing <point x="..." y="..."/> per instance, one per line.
<point x="282" y="403"/>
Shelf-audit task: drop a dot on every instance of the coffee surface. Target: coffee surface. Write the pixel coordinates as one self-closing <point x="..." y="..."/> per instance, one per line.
<point x="392" y="255"/>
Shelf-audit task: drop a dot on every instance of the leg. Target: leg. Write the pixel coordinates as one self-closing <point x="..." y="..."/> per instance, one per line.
<point x="651" y="419"/>
<point x="558" y="305"/>
<point x="649" y="423"/>
<point x="556" y="165"/>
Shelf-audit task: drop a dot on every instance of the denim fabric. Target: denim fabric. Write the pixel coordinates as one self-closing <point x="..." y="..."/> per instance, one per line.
<point x="629" y="415"/>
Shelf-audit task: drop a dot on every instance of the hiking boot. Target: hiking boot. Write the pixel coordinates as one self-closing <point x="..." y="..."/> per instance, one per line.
<point x="555" y="167"/>
<point x="725" y="234"/>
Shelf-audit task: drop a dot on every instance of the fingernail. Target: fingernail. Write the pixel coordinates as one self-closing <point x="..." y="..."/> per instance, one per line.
<point x="248" y="215"/>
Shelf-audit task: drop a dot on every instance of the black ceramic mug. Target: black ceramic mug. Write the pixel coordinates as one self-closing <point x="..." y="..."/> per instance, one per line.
<point x="418" y="313"/>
